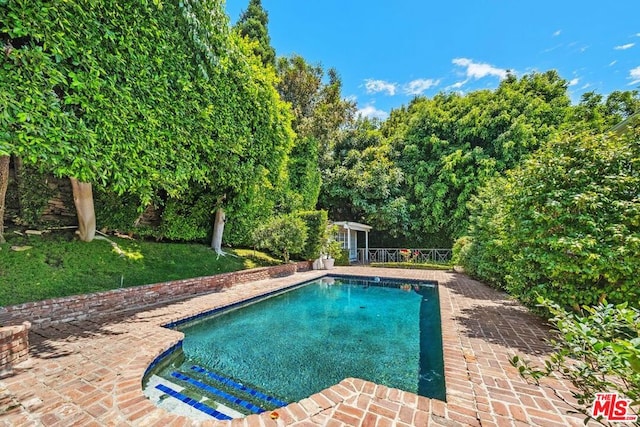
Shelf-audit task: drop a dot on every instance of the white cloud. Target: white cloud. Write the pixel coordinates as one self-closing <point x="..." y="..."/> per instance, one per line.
<point x="372" y="112"/>
<point x="477" y="70"/>
<point x="634" y="74"/>
<point x="457" y="85"/>
<point x="557" y="33"/>
<point x="625" y="46"/>
<point x="612" y="63"/>
<point x="586" y="86"/>
<point x="376" y="86"/>
<point x="418" y="86"/>
<point x="551" y="49"/>
<point x="574" y="82"/>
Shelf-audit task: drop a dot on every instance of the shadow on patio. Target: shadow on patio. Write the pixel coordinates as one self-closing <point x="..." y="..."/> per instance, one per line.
<point x="492" y="315"/>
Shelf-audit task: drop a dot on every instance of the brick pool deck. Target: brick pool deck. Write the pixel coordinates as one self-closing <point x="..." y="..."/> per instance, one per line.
<point x="89" y="373"/>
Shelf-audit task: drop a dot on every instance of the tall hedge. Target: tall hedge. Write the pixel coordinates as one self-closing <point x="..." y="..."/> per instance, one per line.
<point x="565" y="225"/>
<point x="316" y="222"/>
<point x="141" y="97"/>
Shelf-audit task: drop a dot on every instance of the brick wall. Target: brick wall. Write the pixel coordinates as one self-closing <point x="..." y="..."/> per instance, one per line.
<point x="79" y="307"/>
<point x="14" y="345"/>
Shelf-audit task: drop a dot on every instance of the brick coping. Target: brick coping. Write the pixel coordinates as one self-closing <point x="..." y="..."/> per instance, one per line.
<point x="89" y="372"/>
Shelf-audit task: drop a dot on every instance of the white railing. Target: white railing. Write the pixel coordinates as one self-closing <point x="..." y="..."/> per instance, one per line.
<point x="404" y="255"/>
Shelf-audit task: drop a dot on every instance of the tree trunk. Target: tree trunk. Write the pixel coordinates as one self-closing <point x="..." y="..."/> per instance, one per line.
<point x="218" y="230"/>
<point x="17" y="174"/>
<point x="4" y="183"/>
<point x="83" y="199"/>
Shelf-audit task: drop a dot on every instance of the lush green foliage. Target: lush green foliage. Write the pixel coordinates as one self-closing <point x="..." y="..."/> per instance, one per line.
<point x="32" y="193"/>
<point x="159" y="102"/>
<point x="565" y="224"/>
<point x="364" y="184"/>
<point x="144" y="98"/>
<point x="449" y="145"/>
<point x="331" y="247"/>
<point x="341" y="257"/>
<point x="59" y="265"/>
<point x="187" y="218"/>
<point x="282" y="235"/>
<point x="316" y="223"/>
<point x="319" y="113"/>
<point x="253" y="25"/>
<point x="304" y="174"/>
<point x="597" y="114"/>
<point x="597" y="350"/>
<point x="120" y="212"/>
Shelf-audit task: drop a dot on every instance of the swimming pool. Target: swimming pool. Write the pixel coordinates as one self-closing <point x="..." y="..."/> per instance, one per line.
<point x="286" y="347"/>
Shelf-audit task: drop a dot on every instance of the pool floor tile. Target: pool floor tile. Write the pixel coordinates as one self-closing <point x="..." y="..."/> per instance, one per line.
<point x="90" y="372"/>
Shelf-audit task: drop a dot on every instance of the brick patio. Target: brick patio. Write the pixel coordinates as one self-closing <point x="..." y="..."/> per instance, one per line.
<point x="89" y="372"/>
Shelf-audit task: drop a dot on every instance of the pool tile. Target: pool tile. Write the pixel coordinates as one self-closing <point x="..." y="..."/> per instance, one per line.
<point x="194" y="404"/>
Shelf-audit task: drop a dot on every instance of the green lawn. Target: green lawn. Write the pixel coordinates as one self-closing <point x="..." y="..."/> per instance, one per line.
<point x="60" y="265"/>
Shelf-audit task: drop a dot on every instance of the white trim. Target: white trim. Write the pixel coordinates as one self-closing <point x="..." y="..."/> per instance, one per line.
<point x="350" y="225"/>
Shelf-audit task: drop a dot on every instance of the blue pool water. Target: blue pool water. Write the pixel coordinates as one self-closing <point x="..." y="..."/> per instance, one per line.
<point x="300" y="342"/>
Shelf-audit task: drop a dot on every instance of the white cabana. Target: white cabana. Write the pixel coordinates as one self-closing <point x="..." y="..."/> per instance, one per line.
<point x="347" y="235"/>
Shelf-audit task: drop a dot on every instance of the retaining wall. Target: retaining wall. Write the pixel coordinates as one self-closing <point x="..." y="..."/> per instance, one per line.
<point x="14" y="345"/>
<point x="80" y="307"/>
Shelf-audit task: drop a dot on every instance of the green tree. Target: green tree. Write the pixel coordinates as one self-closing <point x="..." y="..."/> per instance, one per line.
<point x="364" y="184"/>
<point x="282" y="235"/>
<point x="597" y="114"/>
<point x="256" y="153"/>
<point x="565" y="224"/>
<point x="448" y="146"/>
<point x="300" y="85"/>
<point x="317" y="225"/>
<point x="253" y="24"/>
<point x="319" y="113"/>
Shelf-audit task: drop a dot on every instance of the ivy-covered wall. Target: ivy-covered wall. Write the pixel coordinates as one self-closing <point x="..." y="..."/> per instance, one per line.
<point x="145" y="100"/>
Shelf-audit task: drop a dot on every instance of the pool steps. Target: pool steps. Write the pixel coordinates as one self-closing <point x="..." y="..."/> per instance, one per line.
<point x="193" y="403"/>
<point x="215" y="387"/>
<point x="229" y="397"/>
<point x="229" y="382"/>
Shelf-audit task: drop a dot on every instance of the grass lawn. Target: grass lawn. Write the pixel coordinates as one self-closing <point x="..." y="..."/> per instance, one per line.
<point x="59" y="265"/>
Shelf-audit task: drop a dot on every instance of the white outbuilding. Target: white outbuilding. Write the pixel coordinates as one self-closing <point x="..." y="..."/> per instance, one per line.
<point x="347" y="235"/>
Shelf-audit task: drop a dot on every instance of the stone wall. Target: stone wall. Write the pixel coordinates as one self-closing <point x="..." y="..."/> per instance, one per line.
<point x="14" y="345"/>
<point x="60" y="208"/>
<point x="79" y="307"/>
<point x="57" y="206"/>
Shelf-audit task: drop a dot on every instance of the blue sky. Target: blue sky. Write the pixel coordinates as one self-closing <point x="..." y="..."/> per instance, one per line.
<point x="387" y="52"/>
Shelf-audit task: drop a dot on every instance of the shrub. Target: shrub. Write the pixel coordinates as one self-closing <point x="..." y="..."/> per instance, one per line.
<point x="119" y="212"/>
<point x="597" y="350"/>
<point x="342" y="258"/>
<point x="316" y="223"/>
<point x="188" y="219"/>
<point x="282" y="235"/>
<point x="461" y="249"/>
<point x="564" y="225"/>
